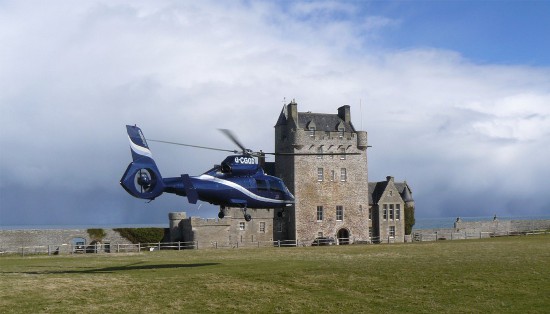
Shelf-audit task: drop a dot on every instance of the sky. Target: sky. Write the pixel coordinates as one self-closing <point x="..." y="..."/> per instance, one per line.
<point x="455" y="96"/>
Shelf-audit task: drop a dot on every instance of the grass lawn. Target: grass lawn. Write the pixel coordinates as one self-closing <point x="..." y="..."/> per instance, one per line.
<point x="509" y="274"/>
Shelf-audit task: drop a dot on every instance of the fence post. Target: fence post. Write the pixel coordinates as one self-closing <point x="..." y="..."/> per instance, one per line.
<point x="159" y="245"/>
<point x="139" y="247"/>
<point x="278" y="243"/>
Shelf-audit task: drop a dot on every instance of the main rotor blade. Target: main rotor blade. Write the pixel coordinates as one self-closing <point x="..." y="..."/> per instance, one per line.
<point x="311" y="154"/>
<point x="195" y="146"/>
<point x="232" y="137"/>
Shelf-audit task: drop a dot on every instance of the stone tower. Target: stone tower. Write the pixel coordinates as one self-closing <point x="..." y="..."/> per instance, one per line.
<point x="331" y="191"/>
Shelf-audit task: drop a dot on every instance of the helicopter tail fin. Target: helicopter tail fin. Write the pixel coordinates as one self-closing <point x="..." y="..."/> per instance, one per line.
<point x="142" y="178"/>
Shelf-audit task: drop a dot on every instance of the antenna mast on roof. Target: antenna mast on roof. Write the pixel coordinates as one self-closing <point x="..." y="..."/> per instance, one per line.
<point x="361" y="112"/>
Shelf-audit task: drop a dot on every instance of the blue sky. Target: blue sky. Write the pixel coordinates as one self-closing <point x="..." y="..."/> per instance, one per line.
<point x="455" y="97"/>
<point x="502" y="32"/>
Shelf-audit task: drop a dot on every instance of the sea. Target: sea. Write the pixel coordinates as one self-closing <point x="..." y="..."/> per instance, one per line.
<point x="420" y="223"/>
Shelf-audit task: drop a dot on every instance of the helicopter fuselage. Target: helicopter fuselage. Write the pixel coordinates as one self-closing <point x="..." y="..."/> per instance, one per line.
<point x="235" y="185"/>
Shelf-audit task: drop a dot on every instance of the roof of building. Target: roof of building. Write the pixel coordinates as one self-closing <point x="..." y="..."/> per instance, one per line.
<point x="376" y="189"/>
<point x="323" y="122"/>
<point x="326" y="122"/>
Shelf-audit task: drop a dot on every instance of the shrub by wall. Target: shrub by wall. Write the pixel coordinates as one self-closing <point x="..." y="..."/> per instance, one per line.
<point x="142" y="235"/>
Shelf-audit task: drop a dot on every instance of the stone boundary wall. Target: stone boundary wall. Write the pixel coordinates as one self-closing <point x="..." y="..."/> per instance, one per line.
<point x="14" y="240"/>
<point x="503" y="226"/>
<point x="481" y="229"/>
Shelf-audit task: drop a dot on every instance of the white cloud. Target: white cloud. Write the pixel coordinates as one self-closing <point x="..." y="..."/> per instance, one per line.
<point x="75" y="73"/>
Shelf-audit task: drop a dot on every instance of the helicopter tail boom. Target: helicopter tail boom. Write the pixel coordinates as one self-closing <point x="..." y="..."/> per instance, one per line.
<point x="142" y="178"/>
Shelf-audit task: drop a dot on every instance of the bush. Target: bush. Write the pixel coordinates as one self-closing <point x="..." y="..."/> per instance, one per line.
<point x="96" y="234"/>
<point x="409" y="219"/>
<point x="142" y="235"/>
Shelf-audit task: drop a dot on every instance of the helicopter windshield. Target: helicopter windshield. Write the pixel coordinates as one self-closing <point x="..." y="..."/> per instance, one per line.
<point x="276" y="185"/>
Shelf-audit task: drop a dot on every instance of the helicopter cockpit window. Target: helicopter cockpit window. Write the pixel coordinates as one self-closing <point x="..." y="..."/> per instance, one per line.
<point x="276" y="186"/>
<point x="261" y="184"/>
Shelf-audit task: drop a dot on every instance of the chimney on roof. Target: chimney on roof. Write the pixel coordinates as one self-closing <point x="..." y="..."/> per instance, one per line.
<point x="292" y="111"/>
<point x="389" y="178"/>
<point x="344" y="113"/>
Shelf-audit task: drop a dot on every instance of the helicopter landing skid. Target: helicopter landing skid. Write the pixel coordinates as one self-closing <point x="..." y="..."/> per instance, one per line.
<point x="247" y="217"/>
<point x="221" y="214"/>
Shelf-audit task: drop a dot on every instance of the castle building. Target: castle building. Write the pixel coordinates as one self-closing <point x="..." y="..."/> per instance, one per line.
<point x="322" y="159"/>
<point x="331" y="191"/>
<point x="388" y="202"/>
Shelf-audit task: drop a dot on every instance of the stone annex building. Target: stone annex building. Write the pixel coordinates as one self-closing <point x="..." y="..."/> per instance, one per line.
<point x="335" y="201"/>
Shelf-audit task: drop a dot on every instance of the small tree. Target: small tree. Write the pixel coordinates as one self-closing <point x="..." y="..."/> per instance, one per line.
<point x="409" y="219"/>
<point x="96" y="234"/>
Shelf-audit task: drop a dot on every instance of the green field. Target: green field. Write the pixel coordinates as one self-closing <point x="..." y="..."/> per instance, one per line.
<point x="490" y="275"/>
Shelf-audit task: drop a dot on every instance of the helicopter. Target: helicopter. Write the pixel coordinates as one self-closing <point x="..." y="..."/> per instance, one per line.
<point x="239" y="181"/>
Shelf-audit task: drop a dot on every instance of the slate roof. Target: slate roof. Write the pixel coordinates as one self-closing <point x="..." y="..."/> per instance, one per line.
<point x="323" y="121"/>
<point x="376" y="189"/>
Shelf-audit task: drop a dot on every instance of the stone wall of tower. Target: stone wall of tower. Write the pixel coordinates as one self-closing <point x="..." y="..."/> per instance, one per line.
<point x="300" y="174"/>
<point x="333" y="189"/>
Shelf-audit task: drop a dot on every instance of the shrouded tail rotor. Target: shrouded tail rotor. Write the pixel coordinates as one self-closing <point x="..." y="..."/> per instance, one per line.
<point x="142" y="181"/>
<point x="142" y="178"/>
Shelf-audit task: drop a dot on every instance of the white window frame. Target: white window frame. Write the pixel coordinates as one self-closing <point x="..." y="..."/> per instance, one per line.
<point x="242" y="226"/>
<point x="320" y="213"/>
<point x="385" y="212"/>
<point x="320" y="174"/>
<point x="339" y="213"/>
<point x="392" y="232"/>
<point x="262" y="227"/>
<point x="343" y="175"/>
<point x="397" y="211"/>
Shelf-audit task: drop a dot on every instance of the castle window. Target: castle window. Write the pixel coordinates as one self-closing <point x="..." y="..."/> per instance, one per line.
<point x="320" y="151"/>
<point x="397" y="211"/>
<point x="262" y="227"/>
<point x="343" y="175"/>
<point x="332" y="175"/>
<point x="311" y="127"/>
<point x="391" y="212"/>
<point x="370" y="213"/>
<point x="385" y="212"/>
<point x="339" y="213"/>
<point x="241" y="225"/>
<point x="392" y="231"/>
<point x="319" y="213"/>
<point x="320" y="175"/>
<point x="343" y="151"/>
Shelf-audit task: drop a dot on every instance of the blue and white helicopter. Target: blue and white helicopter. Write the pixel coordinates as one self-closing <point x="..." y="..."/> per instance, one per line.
<point x="238" y="182"/>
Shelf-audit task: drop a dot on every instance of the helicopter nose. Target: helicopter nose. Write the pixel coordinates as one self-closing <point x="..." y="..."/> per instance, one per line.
<point x="290" y="197"/>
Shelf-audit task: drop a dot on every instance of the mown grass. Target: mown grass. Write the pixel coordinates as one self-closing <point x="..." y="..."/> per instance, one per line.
<point x="490" y="275"/>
